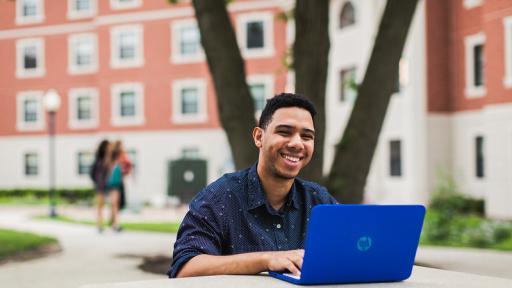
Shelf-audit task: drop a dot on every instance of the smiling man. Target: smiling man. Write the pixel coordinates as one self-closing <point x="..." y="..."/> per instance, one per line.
<point x="255" y="220"/>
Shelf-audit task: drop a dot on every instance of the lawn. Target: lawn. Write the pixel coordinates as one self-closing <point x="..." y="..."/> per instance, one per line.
<point x="14" y="242"/>
<point x="166" y="227"/>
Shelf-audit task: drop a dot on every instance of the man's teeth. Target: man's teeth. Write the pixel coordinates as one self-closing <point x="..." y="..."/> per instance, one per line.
<point x="293" y="159"/>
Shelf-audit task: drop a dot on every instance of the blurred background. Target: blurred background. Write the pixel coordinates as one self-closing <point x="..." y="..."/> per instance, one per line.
<point x="75" y="72"/>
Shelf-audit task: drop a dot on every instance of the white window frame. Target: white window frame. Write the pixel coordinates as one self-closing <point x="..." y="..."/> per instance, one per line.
<point x="507" y="28"/>
<point x="76" y="69"/>
<point x="470" y="42"/>
<point x="265" y="79"/>
<point x="470" y="4"/>
<point x="74" y="122"/>
<point x="119" y="5"/>
<point x="40" y="70"/>
<point x="268" y="33"/>
<point x="23" y="20"/>
<point x="23" y="171"/>
<point x="74" y="14"/>
<point x="115" y="60"/>
<point x="176" y="56"/>
<point x="202" y="115"/>
<point x="116" y="90"/>
<point x="77" y="155"/>
<point x="21" y="97"/>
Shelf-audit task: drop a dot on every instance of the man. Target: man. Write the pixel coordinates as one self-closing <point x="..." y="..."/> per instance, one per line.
<point x="255" y="219"/>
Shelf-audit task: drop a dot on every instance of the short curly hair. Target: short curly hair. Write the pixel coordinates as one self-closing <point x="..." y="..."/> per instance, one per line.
<point x="285" y="100"/>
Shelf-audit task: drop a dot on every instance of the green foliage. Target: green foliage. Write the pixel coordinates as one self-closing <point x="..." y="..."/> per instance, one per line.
<point x="31" y="195"/>
<point x="13" y="242"/>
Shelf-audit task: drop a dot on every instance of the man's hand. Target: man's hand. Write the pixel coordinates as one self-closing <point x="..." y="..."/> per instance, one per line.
<point x="286" y="260"/>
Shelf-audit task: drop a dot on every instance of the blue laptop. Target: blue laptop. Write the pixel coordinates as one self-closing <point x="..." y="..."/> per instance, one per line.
<point x="359" y="243"/>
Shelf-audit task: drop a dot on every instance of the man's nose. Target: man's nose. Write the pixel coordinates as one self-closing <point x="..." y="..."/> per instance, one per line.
<point x="296" y="142"/>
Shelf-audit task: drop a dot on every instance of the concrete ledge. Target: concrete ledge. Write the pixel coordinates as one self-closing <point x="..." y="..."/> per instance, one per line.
<point x="421" y="278"/>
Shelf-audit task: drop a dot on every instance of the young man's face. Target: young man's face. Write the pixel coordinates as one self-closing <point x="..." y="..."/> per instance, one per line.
<point x="287" y="144"/>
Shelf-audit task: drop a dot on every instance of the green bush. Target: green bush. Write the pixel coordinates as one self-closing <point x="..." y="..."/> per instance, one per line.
<point x="67" y="195"/>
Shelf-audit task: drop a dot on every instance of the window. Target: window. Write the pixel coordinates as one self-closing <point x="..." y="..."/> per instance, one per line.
<point x="261" y="88"/>
<point x="348" y="89"/>
<point x="127" y="49"/>
<point x="395" y="158"/>
<point x="347" y="15"/>
<point x="30" y="58"/>
<point x="479" y="157"/>
<point x="189" y="101"/>
<point x="475" y="72"/>
<point x="84" y="162"/>
<point x="82" y="57"/>
<point x="29" y="11"/>
<point x="30" y="111"/>
<point x="83" y="108"/>
<point x="190" y="153"/>
<point x="507" y="23"/>
<point x="255" y="34"/>
<point x="127" y="104"/>
<point x="31" y="164"/>
<point x="132" y="156"/>
<point x="469" y="4"/>
<point x="78" y="9"/>
<point x="186" y="42"/>
<point x="125" y="4"/>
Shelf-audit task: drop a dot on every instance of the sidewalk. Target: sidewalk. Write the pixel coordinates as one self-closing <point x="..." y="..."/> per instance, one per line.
<point x="89" y="257"/>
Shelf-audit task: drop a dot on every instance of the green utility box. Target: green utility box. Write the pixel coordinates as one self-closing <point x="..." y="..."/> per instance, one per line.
<point x="185" y="178"/>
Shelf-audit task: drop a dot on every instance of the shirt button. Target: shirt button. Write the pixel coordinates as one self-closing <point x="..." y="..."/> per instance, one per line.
<point x="278" y="226"/>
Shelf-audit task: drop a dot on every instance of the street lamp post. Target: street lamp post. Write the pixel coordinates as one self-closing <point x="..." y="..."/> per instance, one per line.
<point x="52" y="104"/>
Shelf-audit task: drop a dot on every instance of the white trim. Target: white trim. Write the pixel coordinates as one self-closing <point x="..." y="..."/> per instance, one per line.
<point x="118" y="5"/>
<point x="46" y="30"/>
<point x="21" y="97"/>
<point x="77" y="162"/>
<point x="74" y="94"/>
<point x="470" y="42"/>
<point x="73" y="68"/>
<point x="268" y="81"/>
<point x="177" y="86"/>
<point x="138" y="60"/>
<point x="74" y="14"/>
<point x="176" y="56"/>
<point x="40" y="70"/>
<point x="507" y="28"/>
<point x="268" y="34"/>
<point x="38" y="18"/>
<point x="138" y="118"/>
<point x="470" y="4"/>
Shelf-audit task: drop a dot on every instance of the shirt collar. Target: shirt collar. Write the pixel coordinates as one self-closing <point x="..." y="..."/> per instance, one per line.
<point x="256" y="194"/>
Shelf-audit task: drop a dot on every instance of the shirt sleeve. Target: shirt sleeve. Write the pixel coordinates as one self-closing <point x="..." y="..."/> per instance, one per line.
<point x="200" y="232"/>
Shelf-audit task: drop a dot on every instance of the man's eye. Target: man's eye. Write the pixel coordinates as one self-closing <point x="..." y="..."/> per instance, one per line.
<point x="308" y="137"/>
<point x="284" y="133"/>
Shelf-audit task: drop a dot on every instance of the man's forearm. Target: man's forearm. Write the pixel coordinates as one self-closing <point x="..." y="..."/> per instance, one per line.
<point x="247" y="263"/>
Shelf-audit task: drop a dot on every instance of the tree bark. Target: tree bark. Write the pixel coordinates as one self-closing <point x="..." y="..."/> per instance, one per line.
<point x="310" y="56"/>
<point x="234" y="101"/>
<point x="354" y="152"/>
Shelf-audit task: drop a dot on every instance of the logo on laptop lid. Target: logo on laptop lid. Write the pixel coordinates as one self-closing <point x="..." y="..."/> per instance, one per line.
<point x="364" y="243"/>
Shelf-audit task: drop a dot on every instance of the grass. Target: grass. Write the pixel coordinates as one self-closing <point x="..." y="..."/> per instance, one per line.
<point x="14" y="242"/>
<point x="166" y="227"/>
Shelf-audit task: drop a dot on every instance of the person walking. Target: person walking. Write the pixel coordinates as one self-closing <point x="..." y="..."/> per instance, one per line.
<point x="114" y="184"/>
<point x="126" y="168"/>
<point x="99" y="174"/>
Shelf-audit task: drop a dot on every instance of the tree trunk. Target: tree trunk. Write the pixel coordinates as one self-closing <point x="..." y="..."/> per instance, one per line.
<point x="355" y="151"/>
<point x="310" y="56"/>
<point x="234" y="101"/>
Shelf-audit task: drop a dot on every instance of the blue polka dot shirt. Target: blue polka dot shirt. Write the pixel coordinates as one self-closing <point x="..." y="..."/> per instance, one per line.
<point x="232" y="215"/>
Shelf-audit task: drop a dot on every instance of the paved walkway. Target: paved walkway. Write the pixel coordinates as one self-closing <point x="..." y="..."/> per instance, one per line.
<point x="89" y="257"/>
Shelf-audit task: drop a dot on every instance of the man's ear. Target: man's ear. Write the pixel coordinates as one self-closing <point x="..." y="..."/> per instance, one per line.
<point x="257" y="135"/>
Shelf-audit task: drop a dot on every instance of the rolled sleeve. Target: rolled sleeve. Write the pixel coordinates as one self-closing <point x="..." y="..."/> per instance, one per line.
<point x="200" y="231"/>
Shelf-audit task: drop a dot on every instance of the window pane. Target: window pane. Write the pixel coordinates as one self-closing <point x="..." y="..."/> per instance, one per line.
<point x="479" y="156"/>
<point x="395" y="161"/>
<point x="127" y="103"/>
<point x="189" y="40"/>
<point x="30" y="57"/>
<point x="478" y="52"/>
<point x="30" y="110"/>
<point x="29" y="7"/>
<point x="31" y="165"/>
<point x="189" y="101"/>
<point x="255" y="35"/>
<point x="348" y="87"/>
<point x="127" y="45"/>
<point x="347" y="15"/>
<point x="85" y="160"/>
<point x="132" y="156"/>
<point x="84" y="108"/>
<point x="84" y="51"/>
<point x="258" y="95"/>
<point x="82" y="5"/>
